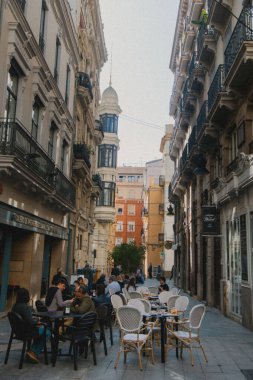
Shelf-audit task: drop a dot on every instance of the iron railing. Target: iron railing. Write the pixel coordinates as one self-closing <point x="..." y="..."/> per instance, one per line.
<point x="232" y="166"/>
<point x="216" y="86"/>
<point x="192" y="64"/>
<point x="81" y="152"/>
<point x="84" y="81"/>
<point x="16" y="140"/>
<point x="201" y="120"/>
<point x="184" y="157"/>
<point x="174" y="179"/>
<point x="192" y="140"/>
<point x="205" y="31"/>
<point x="243" y="31"/>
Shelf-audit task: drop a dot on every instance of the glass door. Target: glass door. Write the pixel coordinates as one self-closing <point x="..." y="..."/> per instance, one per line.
<point x="235" y="266"/>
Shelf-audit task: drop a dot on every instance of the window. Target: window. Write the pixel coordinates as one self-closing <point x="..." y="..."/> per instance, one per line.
<point x="118" y="240"/>
<point x="51" y="138"/>
<point x="11" y="96"/>
<point x="63" y="154"/>
<point x="57" y="59"/>
<point x="42" y="25"/>
<point x="36" y="118"/>
<point x="130" y="240"/>
<point x="107" y="156"/>
<point x="109" y="123"/>
<point x="131" y="226"/>
<point x="122" y="178"/>
<point x="161" y="237"/>
<point x="119" y="226"/>
<point x="107" y="196"/>
<point x="131" y="178"/>
<point x="67" y="85"/>
<point x="120" y="211"/>
<point x="131" y="209"/>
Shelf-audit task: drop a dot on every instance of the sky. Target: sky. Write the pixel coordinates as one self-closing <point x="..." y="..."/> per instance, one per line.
<point x="139" y="36"/>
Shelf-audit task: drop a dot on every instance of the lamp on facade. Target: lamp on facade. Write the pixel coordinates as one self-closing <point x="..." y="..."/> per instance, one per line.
<point x="170" y="210"/>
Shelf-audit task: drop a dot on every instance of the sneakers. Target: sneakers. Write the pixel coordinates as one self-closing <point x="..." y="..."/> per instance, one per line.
<point x="31" y="357"/>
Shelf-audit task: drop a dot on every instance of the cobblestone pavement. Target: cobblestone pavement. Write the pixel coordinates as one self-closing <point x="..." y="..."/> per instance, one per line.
<point x="229" y="348"/>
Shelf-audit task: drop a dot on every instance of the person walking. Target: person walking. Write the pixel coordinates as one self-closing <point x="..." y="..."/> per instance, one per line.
<point x="150" y="271"/>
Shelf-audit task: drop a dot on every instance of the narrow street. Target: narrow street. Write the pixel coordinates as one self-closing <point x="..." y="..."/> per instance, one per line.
<point x="228" y="345"/>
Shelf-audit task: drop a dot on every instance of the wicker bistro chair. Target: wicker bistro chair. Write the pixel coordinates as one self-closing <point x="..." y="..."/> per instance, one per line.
<point x="164" y="296"/>
<point x="135" y="295"/>
<point x="147" y="305"/>
<point x="126" y="294"/>
<point x="153" y="290"/>
<point x="172" y="301"/>
<point x="116" y="303"/>
<point x="132" y="336"/>
<point x="190" y="337"/>
<point x="143" y="290"/>
<point x="181" y="304"/>
<point x="175" y="291"/>
<point x="138" y="304"/>
<point x="123" y="297"/>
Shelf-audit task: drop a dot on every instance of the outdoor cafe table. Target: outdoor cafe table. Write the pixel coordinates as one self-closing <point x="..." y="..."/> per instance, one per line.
<point x="162" y="317"/>
<point x="56" y="317"/>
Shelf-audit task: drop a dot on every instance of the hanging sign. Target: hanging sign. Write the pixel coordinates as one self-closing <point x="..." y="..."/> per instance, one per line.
<point x="210" y="220"/>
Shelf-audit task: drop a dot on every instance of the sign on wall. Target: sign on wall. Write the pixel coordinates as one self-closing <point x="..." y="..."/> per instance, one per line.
<point x="210" y="220"/>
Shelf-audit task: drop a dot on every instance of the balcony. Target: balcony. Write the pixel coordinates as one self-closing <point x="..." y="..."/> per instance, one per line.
<point x="81" y="163"/>
<point x="161" y="180"/>
<point x="184" y="61"/>
<point x="220" y="102"/>
<point x="188" y="100"/>
<point x="192" y="140"/>
<point x="188" y="37"/>
<point x="20" y="152"/>
<point x="206" y="44"/>
<point x="196" y="7"/>
<point x="219" y="15"/>
<point x="84" y="89"/>
<point x="97" y="185"/>
<point x="239" y="53"/>
<point x="196" y="75"/>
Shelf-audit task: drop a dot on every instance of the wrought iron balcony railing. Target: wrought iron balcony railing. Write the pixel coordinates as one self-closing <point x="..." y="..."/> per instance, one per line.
<point x="97" y="180"/>
<point x="216" y="86"/>
<point x="16" y="140"/>
<point x="205" y="31"/>
<point x="192" y="140"/>
<point x="192" y="64"/>
<point x="84" y="81"/>
<point x="242" y="32"/>
<point x="81" y="152"/>
<point x="232" y="166"/>
<point x="201" y="120"/>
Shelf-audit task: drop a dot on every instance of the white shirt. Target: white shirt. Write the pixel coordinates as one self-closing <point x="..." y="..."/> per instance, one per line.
<point x="113" y="288"/>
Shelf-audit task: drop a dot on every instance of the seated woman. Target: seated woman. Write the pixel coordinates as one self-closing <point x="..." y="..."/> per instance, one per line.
<point x="54" y="300"/>
<point x="131" y="285"/>
<point x="101" y="298"/>
<point x="22" y="308"/>
<point x="163" y="286"/>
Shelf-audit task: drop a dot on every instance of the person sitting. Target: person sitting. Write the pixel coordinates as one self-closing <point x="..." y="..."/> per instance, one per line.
<point x="113" y="287"/>
<point x="82" y="302"/>
<point x="163" y="286"/>
<point x="101" y="298"/>
<point x="22" y="308"/>
<point x="120" y="281"/>
<point x="54" y="300"/>
<point x="131" y="285"/>
<point x="101" y="279"/>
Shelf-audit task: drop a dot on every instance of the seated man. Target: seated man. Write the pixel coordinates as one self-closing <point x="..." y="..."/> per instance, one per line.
<point x="163" y="286"/>
<point x="113" y="287"/>
<point x="54" y="300"/>
<point x="82" y="303"/>
<point x="101" y="298"/>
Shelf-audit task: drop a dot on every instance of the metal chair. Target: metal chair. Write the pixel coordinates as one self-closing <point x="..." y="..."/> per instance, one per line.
<point x="126" y="294"/>
<point x="21" y="330"/>
<point x="81" y="334"/>
<point x="147" y="305"/>
<point x="132" y="337"/>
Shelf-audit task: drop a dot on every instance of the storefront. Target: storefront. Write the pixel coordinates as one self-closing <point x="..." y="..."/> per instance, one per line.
<point x="31" y="248"/>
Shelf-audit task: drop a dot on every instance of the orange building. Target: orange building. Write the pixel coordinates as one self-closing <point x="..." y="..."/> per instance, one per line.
<point x="129" y="205"/>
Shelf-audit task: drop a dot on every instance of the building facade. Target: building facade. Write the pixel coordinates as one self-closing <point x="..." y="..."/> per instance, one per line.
<point x="129" y="205"/>
<point x="51" y="54"/>
<point x="103" y="242"/>
<point x="212" y="150"/>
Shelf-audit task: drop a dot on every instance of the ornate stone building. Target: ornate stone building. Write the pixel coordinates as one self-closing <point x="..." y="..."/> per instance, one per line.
<point x="212" y="150"/>
<point x="50" y="57"/>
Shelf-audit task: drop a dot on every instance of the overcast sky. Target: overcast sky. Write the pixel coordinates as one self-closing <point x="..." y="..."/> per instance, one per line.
<point x="140" y="33"/>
